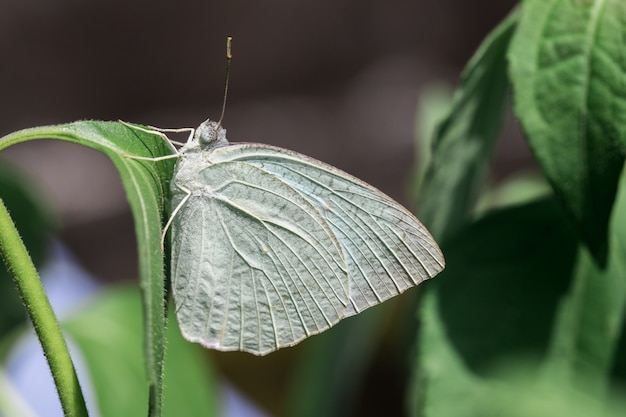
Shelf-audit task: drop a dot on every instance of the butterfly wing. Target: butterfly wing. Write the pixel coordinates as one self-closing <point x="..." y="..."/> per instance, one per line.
<point x="387" y="249"/>
<point x="255" y="267"/>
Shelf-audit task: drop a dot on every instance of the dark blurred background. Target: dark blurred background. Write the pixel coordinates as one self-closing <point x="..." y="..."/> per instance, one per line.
<point x="339" y="81"/>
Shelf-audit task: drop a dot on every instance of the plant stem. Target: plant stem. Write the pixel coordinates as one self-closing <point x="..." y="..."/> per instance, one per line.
<point x="33" y="296"/>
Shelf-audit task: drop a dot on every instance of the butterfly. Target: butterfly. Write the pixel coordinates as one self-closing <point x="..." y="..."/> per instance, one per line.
<point x="270" y="246"/>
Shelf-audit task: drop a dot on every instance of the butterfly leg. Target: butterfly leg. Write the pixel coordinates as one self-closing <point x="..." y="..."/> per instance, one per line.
<point x="174" y="213"/>
<point x="161" y="132"/>
<point x="176" y="154"/>
<point x="191" y="131"/>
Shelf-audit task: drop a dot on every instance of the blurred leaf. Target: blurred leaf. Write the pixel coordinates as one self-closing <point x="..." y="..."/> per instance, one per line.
<point x="518" y="189"/>
<point x="495" y="301"/>
<point x="507" y="299"/>
<point x="109" y="335"/>
<point x="512" y="259"/>
<point x="34" y="224"/>
<point x="512" y="389"/>
<point x="591" y="317"/>
<point x="433" y="105"/>
<point x="464" y="141"/>
<point x="618" y="371"/>
<point x="147" y="189"/>
<point x="441" y="385"/>
<point x="516" y="392"/>
<point x="568" y="68"/>
<point x="461" y="148"/>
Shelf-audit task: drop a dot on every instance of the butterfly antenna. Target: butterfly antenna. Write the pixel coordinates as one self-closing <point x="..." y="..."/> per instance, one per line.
<point x="229" y="57"/>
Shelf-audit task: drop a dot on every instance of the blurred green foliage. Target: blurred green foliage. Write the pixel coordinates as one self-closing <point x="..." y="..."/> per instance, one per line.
<point x="528" y="317"/>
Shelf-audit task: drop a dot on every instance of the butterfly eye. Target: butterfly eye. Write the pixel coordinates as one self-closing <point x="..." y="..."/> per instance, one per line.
<point x="207" y="133"/>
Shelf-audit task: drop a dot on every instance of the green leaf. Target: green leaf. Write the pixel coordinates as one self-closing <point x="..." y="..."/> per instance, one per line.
<point x="147" y="189"/>
<point x="591" y="316"/>
<point x="108" y="334"/>
<point x="464" y="140"/>
<point x="512" y="259"/>
<point x="520" y="189"/>
<point x="507" y="301"/>
<point x="568" y="69"/>
<point x="461" y="148"/>
<point x="433" y="106"/>
<point x="495" y="302"/>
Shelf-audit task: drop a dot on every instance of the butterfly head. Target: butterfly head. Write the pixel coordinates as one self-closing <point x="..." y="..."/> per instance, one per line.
<point x="210" y="134"/>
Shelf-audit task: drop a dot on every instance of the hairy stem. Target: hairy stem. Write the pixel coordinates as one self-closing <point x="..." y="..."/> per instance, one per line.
<point x="33" y="296"/>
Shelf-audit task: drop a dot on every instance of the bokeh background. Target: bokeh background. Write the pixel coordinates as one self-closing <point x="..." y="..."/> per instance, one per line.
<point x="337" y="80"/>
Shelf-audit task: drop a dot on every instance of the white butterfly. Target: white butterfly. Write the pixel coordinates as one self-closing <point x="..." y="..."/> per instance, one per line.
<point x="270" y="246"/>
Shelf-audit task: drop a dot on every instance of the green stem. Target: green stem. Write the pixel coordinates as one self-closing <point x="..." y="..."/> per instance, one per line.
<point x="31" y="290"/>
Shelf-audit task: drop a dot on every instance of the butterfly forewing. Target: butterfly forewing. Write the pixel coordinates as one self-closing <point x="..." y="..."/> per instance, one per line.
<point x="255" y="266"/>
<point x="387" y="249"/>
